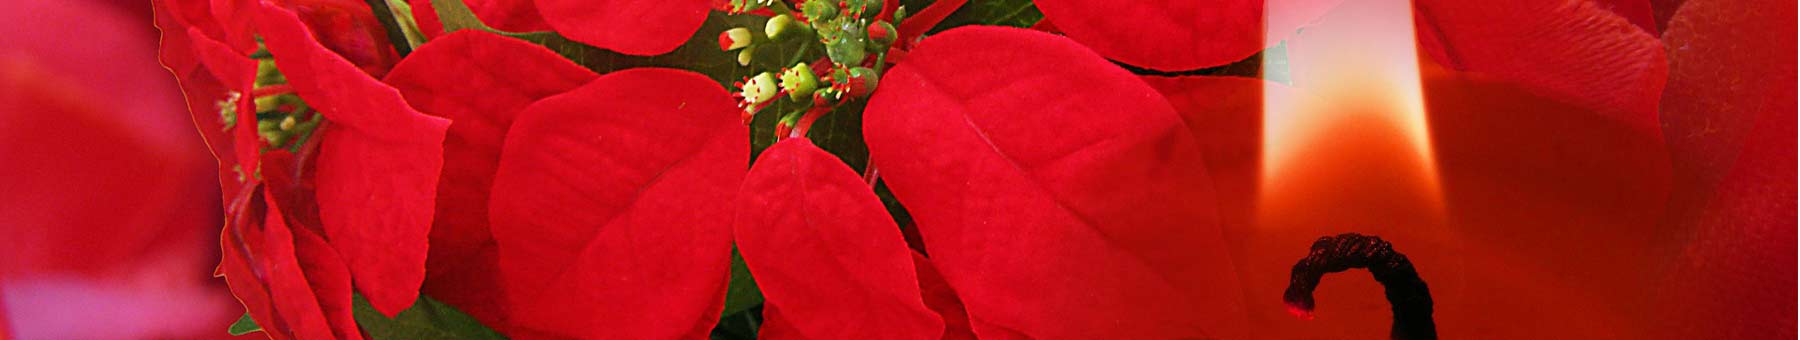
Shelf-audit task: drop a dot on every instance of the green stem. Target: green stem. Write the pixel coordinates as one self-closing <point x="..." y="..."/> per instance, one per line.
<point x="781" y="7"/>
<point x="1015" y="13"/>
<point x="800" y="53"/>
<point x="395" y="36"/>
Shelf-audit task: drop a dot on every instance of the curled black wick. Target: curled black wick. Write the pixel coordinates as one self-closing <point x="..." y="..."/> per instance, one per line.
<point x="1407" y="294"/>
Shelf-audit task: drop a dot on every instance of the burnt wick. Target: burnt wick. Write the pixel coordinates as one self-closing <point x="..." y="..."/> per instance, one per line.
<point x="1406" y="292"/>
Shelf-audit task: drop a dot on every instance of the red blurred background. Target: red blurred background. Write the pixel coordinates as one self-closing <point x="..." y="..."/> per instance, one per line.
<point x="108" y="200"/>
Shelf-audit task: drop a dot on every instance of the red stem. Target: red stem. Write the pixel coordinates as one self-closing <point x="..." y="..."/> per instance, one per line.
<point x="271" y="90"/>
<point x="308" y="150"/>
<point x="887" y="10"/>
<point x="806" y="121"/>
<point x="782" y="130"/>
<point x="870" y="173"/>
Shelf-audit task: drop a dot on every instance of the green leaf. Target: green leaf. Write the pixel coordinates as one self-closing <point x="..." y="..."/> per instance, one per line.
<point x="456" y="16"/>
<point x="386" y="16"/>
<point x="699" y="54"/>
<point x="427" y="319"/>
<point x="742" y="294"/>
<point x="740" y="326"/>
<point x="244" y="325"/>
<point x="1015" y="13"/>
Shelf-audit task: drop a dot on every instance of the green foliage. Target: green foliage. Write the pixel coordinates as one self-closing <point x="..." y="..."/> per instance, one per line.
<point x="427" y="319"/>
<point x="1015" y="13"/>
<point x="847" y="46"/>
<point x="699" y="54"/>
<point x="742" y="294"/>
<point x="838" y="132"/>
<point x="244" y="325"/>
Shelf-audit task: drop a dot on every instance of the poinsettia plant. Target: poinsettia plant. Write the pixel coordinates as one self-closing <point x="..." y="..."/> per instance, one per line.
<point x="836" y="169"/>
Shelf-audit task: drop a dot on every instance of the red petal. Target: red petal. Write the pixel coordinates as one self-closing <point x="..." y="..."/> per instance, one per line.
<point x="509" y="15"/>
<point x="1225" y="115"/>
<point x="1573" y="50"/>
<point x="179" y="53"/>
<point x="1163" y="34"/>
<point x="426" y="17"/>
<point x="1729" y="116"/>
<point x="1636" y="11"/>
<point x="204" y="92"/>
<point x="1057" y="193"/>
<point x="242" y="245"/>
<point x="505" y="15"/>
<point x="1664" y="10"/>
<point x="237" y="73"/>
<point x="329" y="280"/>
<point x="1725" y="73"/>
<point x="219" y="20"/>
<point x="450" y="77"/>
<point x="942" y="299"/>
<point x="612" y="207"/>
<point x="377" y="167"/>
<point x="292" y="295"/>
<point x="348" y="28"/>
<point x="824" y="250"/>
<point x="635" y="27"/>
<point x="233" y="17"/>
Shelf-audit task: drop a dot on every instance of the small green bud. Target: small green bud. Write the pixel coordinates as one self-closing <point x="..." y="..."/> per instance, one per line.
<point x="849" y="46"/>
<point x="759" y="89"/>
<point x="735" y="38"/>
<point x="883" y="33"/>
<point x="746" y="55"/>
<point x="779" y="27"/>
<point x="799" y="82"/>
<point x="862" y="82"/>
<point x="819" y="11"/>
<point x="740" y="6"/>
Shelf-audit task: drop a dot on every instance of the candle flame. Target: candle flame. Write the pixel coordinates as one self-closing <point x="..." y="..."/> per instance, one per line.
<point x="1360" y="127"/>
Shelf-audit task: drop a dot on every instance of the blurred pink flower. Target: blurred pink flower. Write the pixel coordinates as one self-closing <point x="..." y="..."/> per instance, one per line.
<point x="107" y="197"/>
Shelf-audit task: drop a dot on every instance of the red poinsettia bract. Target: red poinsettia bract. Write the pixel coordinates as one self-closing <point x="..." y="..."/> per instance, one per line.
<point x="1729" y="118"/>
<point x="1058" y="195"/>
<point x="611" y="207"/>
<point x="377" y="166"/>
<point x="830" y="262"/>
<point x="451" y="77"/>
<point x="303" y="222"/>
<point x="1042" y="228"/>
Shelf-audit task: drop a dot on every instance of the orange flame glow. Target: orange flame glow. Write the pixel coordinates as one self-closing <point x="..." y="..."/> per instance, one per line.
<point x="1346" y="149"/>
<point x="1360" y="128"/>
